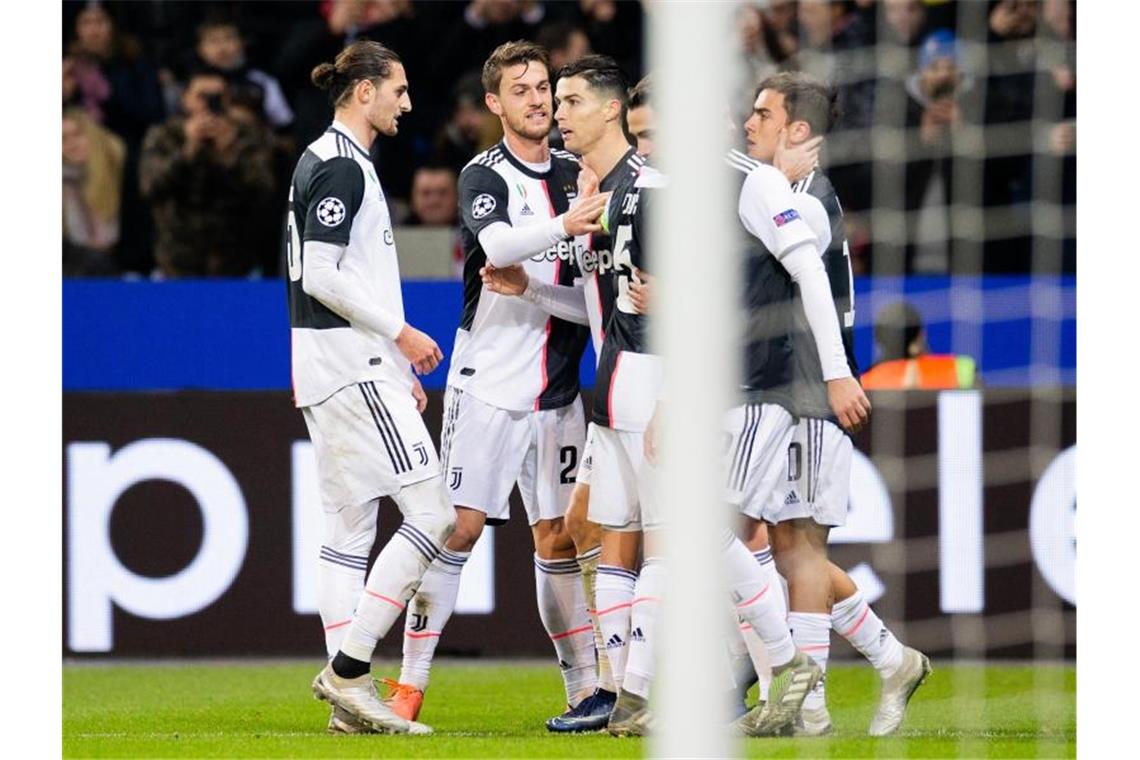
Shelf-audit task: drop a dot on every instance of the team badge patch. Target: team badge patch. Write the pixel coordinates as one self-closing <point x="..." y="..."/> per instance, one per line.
<point x="785" y="216"/>
<point x="330" y="212"/>
<point x="482" y="205"/>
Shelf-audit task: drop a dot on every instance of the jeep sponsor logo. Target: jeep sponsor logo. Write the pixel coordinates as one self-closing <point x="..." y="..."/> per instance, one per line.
<point x="564" y="250"/>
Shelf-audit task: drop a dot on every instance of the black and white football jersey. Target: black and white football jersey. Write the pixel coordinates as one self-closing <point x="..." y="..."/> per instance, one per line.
<point x="773" y="226"/>
<point x="818" y="204"/>
<point x="595" y="254"/>
<point x="336" y="197"/>
<point x="508" y="352"/>
<point x="629" y="377"/>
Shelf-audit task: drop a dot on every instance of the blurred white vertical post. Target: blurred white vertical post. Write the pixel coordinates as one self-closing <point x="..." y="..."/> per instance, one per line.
<point x="695" y="328"/>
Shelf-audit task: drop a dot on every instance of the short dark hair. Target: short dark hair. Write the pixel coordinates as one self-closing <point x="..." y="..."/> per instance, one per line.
<point x="641" y="93"/>
<point x="805" y="99"/>
<point x="510" y="54"/>
<point x="896" y="327"/>
<point x="601" y="74"/>
<point x="217" y="19"/>
<point x="363" y="59"/>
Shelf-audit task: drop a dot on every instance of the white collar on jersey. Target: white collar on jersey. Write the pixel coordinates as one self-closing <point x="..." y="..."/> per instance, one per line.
<point x="540" y="168"/>
<point x="341" y="127"/>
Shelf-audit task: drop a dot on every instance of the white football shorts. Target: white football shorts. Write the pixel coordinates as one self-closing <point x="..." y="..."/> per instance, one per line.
<point x="370" y="441"/>
<point x="758" y="437"/>
<point x="621" y="487"/>
<point x="487" y="450"/>
<point x="587" y="465"/>
<point x="816" y="481"/>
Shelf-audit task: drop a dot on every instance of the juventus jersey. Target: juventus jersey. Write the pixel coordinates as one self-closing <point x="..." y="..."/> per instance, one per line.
<point x="335" y="197"/>
<point x="595" y="254"/>
<point x="817" y="203"/>
<point x="508" y="352"/>
<point x="773" y="226"/>
<point x="629" y="377"/>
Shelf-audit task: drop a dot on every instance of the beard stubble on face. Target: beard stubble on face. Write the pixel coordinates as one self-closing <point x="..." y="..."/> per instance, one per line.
<point x="531" y="130"/>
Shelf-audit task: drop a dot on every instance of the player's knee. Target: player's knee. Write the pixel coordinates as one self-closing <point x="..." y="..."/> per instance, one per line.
<point x="585" y="534"/>
<point x="427" y="506"/>
<point x="352" y="530"/>
<point x="468" y="527"/>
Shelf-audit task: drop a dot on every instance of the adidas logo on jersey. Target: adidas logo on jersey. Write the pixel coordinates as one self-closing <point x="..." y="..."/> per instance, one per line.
<point x="636" y="635"/>
<point x="791" y="498"/>
<point x="614" y="642"/>
<point x="526" y="210"/>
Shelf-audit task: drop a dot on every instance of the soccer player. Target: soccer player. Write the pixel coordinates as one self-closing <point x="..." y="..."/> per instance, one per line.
<point x="513" y="413"/>
<point x="606" y="153"/>
<point x="353" y="356"/>
<point x="812" y="496"/>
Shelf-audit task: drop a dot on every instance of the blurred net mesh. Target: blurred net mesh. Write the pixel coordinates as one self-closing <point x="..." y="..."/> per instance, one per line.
<point x="973" y="223"/>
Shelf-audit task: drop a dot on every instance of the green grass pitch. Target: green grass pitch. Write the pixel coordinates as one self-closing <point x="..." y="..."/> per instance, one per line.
<point x="244" y="709"/>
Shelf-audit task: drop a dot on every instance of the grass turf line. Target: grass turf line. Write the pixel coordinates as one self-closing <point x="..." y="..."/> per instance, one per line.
<point x="266" y="710"/>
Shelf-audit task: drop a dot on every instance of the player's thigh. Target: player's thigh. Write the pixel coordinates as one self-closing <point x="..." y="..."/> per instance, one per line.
<point x="758" y="441"/>
<point x="369" y="441"/>
<point x="484" y="447"/>
<point x="614" y="499"/>
<point x="547" y="476"/>
<point x="586" y="466"/>
<point x="816" y="481"/>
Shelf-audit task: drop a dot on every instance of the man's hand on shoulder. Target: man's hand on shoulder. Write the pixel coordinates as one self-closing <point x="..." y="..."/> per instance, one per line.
<point x="796" y="161"/>
<point x="849" y="402"/>
<point x="507" y="281"/>
<point x="419" y="349"/>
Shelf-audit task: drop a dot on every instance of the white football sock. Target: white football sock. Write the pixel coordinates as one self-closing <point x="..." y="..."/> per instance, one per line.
<point x="615" y="595"/>
<point x="812" y="633"/>
<point x="755" y="645"/>
<point x="855" y="621"/>
<point x="348" y="538"/>
<point x="428" y="613"/>
<point x="429" y="519"/>
<point x="755" y="590"/>
<point x="588" y="563"/>
<point x="562" y="607"/>
<point x="643" y="623"/>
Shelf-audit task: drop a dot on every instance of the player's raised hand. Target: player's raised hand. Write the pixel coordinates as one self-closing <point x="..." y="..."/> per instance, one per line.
<point x="641" y="291"/>
<point x="850" y="404"/>
<point x="507" y="281"/>
<point x="796" y="161"/>
<point x="587" y="182"/>
<point x="419" y="349"/>
<point x="419" y="395"/>
<point x="584" y="217"/>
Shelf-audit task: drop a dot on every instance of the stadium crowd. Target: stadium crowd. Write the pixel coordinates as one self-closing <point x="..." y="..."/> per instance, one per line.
<point x="179" y="118"/>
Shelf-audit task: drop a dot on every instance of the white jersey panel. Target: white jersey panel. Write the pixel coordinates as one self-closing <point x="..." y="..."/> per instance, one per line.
<point x="500" y="357"/>
<point x="327" y="358"/>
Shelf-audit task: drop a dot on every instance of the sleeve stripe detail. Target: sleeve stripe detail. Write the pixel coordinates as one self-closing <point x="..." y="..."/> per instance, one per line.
<point x="742" y="163"/>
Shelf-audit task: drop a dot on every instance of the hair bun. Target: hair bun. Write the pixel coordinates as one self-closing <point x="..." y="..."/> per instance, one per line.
<point x="323" y="75"/>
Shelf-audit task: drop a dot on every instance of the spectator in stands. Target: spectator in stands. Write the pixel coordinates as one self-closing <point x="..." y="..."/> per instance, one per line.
<point x="935" y="106"/>
<point x="220" y="45"/>
<point x="205" y="173"/>
<point x="565" y="42"/>
<point x="93" y="160"/>
<point x="906" y="21"/>
<point x="766" y="37"/>
<point x="905" y="361"/>
<point x="435" y="197"/>
<point x="105" y="74"/>
<point x="470" y="128"/>
<point x="484" y="25"/>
